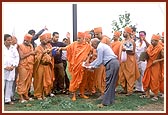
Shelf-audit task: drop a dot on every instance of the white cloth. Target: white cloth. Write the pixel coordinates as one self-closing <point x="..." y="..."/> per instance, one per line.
<point x="64" y="54"/>
<point x="8" y="90"/>
<point x="11" y="57"/>
<point x="141" y="64"/>
<point x="140" y="48"/>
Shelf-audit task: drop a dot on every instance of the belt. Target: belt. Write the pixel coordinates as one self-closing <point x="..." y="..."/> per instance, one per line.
<point x="107" y="62"/>
<point x="44" y="63"/>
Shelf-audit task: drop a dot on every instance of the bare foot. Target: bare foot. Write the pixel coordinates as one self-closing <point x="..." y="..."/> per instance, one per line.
<point x="73" y="98"/>
<point x="84" y="96"/>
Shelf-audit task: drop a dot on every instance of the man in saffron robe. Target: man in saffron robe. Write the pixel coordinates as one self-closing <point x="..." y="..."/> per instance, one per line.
<point x="88" y="77"/>
<point x="153" y="70"/>
<point x="25" y="68"/>
<point x="77" y="53"/>
<point x="162" y="67"/>
<point x="128" y="72"/>
<point x="43" y="75"/>
<point x="115" y="45"/>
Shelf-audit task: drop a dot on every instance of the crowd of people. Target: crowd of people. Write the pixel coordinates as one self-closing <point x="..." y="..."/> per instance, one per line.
<point x="95" y="64"/>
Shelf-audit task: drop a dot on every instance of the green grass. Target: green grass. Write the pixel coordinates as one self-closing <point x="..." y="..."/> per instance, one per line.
<point x="63" y="102"/>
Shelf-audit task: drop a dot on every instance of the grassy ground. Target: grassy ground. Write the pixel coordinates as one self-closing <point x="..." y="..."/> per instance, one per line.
<point x="62" y="102"/>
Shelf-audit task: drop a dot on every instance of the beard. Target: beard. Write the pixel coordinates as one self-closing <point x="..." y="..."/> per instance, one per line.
<point x="125" y="35"/>
<point x="43" y="43"/>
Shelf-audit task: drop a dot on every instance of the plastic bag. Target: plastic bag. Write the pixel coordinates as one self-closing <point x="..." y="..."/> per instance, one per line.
<point x="123" y="56"/>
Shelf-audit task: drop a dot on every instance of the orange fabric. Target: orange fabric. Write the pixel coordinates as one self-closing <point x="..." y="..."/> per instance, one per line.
<point x="28" y="37"/>
<point x="76" y="54"/>
<point x="45" y="36"/>
<point x="161" y="43"/>
<point x="25" y="70"/>
<point x="89" y="76"/>
<point x="87" y="32"/>
<point x="87" y="82"/>
<point x="116" y="47"/>
<point x="128" y="30"/>
<point x="43" y="78"/>
<point x="117" y="33"/>
<point x="161" y="88"/>
<point x="128" y="71"/>
<point x="106" y="40"/>
<point x="81" y="35"/>
<point x="100" y="75"/>
<point x="98" y="30"/>
<point x="155" y="37"/>
<point x="153" y="71"/>
<point x="162" y="34"/>
<point x="87" y="35"/>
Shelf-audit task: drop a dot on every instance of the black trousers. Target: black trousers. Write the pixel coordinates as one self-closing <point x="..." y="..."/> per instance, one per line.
<point x="67" y="82"/>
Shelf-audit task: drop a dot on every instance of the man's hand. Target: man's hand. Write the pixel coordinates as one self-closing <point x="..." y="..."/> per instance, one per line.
<point x="45" y="28"/>
<point x="68" y="35"/>
<point x="33" y="53"/>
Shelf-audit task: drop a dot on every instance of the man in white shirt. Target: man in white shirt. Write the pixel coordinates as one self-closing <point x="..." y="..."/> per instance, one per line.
<point x="11" y="60"/>
<point x="141" y="46"/>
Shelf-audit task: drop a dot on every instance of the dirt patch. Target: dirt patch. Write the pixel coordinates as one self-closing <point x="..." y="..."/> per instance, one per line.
<point x="152" y="107"/>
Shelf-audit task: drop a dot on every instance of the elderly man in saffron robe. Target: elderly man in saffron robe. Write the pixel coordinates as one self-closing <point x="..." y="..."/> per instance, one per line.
<point x="77" y="52"/>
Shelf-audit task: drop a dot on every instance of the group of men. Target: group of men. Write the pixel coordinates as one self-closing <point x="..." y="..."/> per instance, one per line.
<point x="95" y="63"/>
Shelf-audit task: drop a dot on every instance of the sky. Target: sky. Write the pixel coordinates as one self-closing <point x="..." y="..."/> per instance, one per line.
<point x="19" y="17"/>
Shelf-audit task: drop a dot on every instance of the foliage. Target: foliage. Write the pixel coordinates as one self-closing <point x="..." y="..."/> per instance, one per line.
<point x="123" y="21"/>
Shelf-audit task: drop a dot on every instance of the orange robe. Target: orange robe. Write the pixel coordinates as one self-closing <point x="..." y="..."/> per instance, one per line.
<point x="89" y="75"/>
<point x="161" y="89"/>
<point x="128" y="71"/>
<point x="116" y="47"/>
<point x="43" y="77"/>
<point x="25" y="70"/>
<point x="76" y="54"/>
<point x="153" y="71"/>
<point x="100" y="72"/>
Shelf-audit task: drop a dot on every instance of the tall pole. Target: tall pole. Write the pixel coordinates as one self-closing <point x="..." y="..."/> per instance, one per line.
<point x="74" y="11"/>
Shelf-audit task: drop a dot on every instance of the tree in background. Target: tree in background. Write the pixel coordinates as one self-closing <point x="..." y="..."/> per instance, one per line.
<point x="124" y="20"/>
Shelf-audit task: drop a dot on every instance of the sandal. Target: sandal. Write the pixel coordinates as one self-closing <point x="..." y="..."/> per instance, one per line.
<point x="23" y="101"/>
<point x="154" y="99"/>
<point x="144" y="96"/>
<point x="122" y="92"/>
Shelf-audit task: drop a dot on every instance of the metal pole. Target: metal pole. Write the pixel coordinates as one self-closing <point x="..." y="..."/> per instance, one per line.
<point x="74" y="11"/>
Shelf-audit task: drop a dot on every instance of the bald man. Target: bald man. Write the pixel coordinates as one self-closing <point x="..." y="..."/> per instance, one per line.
<point x="106" y="57"/>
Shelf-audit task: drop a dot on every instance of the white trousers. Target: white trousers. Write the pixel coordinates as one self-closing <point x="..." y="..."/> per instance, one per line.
<point x="8" y="90"/>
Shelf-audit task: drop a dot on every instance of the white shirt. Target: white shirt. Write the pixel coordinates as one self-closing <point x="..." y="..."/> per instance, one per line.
<point x="104" y="54"/>
<point x="139" y="49"/>
<point x="11" y="57"/>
